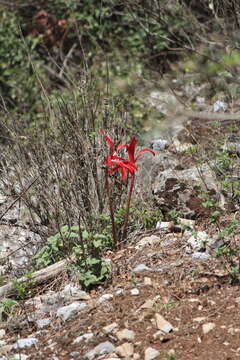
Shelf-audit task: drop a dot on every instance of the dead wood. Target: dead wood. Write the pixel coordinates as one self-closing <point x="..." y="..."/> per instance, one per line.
<point x="37" y="277"/>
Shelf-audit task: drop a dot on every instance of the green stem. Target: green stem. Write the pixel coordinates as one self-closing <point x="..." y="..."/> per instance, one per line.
<point x="125" y="226"/>
<point x="110" y="204"/>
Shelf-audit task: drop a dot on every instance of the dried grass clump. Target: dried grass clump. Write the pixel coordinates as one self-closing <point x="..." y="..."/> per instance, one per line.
<point x="60" y="163"/>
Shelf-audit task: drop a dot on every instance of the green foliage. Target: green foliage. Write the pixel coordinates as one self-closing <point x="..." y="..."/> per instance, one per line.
<point x="224" y="160"/>
<point x="207" y="202"/>
<point x="231" y="263"/>
<point x="173" y="215"/>
<point x="215" y="216"/>
<point x="17" y="75"/>
<point x="170" y="357"/>
<point x="23" y="288"/>
<point x="7" y="308"/>
<point x="92" y="271"/>
<point x="85" y="246"/>
<point x="134" y="279"/>
<point x="231" y="253"/>
<point x="230" y="229"/>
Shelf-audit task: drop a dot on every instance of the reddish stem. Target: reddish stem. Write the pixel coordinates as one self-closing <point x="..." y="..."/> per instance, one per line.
<point x="110" y="204"/>
<point x="125" y="226"/>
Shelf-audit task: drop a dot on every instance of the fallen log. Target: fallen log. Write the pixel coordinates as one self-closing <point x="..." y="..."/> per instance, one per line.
<point x="210" y="116"/>
<point x="37" y="277"/>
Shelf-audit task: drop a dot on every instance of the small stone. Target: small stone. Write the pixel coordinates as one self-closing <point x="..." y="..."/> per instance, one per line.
<point x="159" y="144"/>
<point x="2" y="333"/>
<point x="200" y="256"/>
<point x="85" y="337"/>
<point x="199" y="241"/>
<point x="208" y="327"/>
<point x="134" y="292"/>
<point x="151" y="354"/>
<point x="147" y="281"/>
<point x="119" y="292"/>
<point x="160" y="336"/>
<point x="41" y="323"/>
<point x="75" y="292"/>
<point x="231" y="331"/>
<point x="126" y="334"/>
<point x="125" y="350"/>
<point x="200" y="319"/>
<point x="109" y="328"/>
<point x="101" y="349"/>
<point x="148" y="304"/>
<point x="105" y="297"/>
<point x="163" y="324"/>
<point x="20" y="357"/>
<point x="141" y="268"/>
<point x="164" y="225"/>
<point x="74" y="354"/>
<point x="148" y="241"/>
<point x="66" y="312"/>
<point x="136" y="356"/>
<point x="23" y="343"/>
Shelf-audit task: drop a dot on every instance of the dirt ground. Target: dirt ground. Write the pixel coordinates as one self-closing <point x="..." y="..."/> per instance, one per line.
<point x="195" y="296"/>
<point x="188" y="294"/>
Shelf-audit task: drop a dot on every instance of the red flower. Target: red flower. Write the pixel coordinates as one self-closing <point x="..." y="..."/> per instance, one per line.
<point x="120" y="163"/>
<point x="131" y="150"/>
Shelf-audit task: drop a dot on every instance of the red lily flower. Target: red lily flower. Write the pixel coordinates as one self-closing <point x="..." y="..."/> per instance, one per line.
<point x="120" y="164"/>
<point x="131" y="150"/>
<point x="113" y="148"/>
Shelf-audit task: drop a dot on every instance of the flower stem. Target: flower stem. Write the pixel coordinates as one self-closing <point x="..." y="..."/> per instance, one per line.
<point x="125" y="226"/>
<point x="110" y="204"/>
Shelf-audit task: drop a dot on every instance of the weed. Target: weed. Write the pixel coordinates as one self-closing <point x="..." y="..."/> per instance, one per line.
<point x="231" y="253"/>
<point x="170" y="357"/>
<point x="231" y="261"/>
<point x="134" y="279"/>
<point x="7" y="308"/>
<point x="23" y="288"/>
<point x="215" y="215"/>
<point x="173" y="214"/>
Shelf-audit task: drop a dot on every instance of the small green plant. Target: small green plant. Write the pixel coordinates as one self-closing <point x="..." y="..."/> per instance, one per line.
<point x="134" y="279"/>
<point x="22" y="288"/>
<point x="229" y="230"/>
<point x="231" y="261"/>
<point x="84" y="246"/>
<point x="169" y="304"/>
<point x="215" y="216"/>
<point x="173" y="215"/>
<point x="92" y="271"/>
<point x="230" y="253"/>
<point x="7" y="308"/>
<point x="170" y="357"/>
<point x="224" y="161"/>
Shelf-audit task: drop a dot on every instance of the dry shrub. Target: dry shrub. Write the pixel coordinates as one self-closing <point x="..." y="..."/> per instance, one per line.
<point x="62" y="161"/>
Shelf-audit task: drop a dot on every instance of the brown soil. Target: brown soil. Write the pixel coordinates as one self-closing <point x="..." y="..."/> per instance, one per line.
<point x="187" y="291"/>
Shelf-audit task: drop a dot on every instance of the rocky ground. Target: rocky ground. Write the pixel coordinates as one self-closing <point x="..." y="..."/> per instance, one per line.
<point x="169" y="297"/>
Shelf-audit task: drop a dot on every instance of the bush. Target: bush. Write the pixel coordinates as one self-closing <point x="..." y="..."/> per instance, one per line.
<point x="18" y="58"/>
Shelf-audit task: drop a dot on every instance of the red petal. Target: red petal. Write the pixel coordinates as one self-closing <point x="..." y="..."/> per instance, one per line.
<point x="143" y="150"/>
<point x="131" y="148"/>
